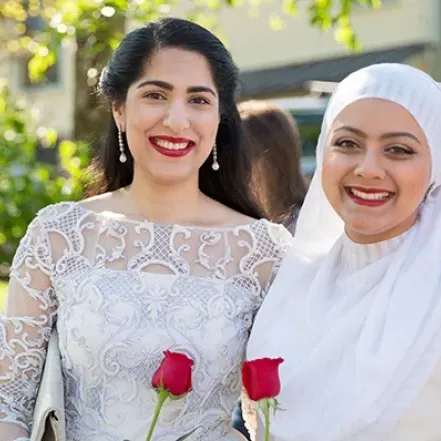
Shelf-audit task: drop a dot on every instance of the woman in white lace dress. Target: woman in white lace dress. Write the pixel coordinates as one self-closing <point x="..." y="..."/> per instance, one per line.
<point x="355" y="309"/>
<point x="171" y="255"/>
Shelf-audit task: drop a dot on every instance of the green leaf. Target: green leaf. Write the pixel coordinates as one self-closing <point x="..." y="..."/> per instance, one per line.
<point x="375" y="4"/>
<point x="67" y="149"/>
<point x="290" y="7"/>
<point x="345" y="34"/>
<point x="51" y="137"/>
<point x="234" y="3"/>
<point x="276" y="22"/>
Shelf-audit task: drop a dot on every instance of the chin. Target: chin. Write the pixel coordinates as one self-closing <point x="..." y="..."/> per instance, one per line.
<point x="171" y="176"/>
<point x="364" y="226"/>
<point x="365" y="233"/>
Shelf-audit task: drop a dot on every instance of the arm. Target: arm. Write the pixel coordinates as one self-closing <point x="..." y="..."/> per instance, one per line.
<point x="25" y="326"/>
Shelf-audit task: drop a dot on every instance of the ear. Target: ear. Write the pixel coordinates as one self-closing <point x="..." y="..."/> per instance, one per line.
<point x="119" y="115"/>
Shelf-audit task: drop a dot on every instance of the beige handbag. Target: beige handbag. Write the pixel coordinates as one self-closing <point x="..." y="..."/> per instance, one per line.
<point x="49" y="416"/>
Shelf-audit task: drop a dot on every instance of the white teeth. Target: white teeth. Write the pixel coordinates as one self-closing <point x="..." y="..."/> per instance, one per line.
<point x="171" y="145"/>
<point x="370" y="196"/>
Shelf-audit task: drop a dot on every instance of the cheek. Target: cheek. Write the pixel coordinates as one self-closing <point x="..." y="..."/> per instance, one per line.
<point x="335" y="168"/>
<point x="412" y="183"/>
<point x="205" y="123"/>
<point x="338" y="162"/>
<point x="141" y="116"/>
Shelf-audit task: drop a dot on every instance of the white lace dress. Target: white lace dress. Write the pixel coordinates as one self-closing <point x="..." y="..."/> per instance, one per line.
<point x="120" y="292"/>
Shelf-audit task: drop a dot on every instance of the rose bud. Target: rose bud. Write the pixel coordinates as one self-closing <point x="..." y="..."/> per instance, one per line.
<point x="174" y="374"/>
<point x="261" y="378"/>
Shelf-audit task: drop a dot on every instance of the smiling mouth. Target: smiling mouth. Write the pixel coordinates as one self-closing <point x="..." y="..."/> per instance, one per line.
<point x="172" y="147"/>
<point x="369" y="197"/>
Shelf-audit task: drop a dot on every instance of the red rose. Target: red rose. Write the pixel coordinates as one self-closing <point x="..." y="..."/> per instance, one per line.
<point x="174" y="374"/>
<point x="261" y="378"/>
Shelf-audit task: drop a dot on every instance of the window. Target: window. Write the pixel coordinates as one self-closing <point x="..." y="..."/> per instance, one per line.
<point x="309" y="125"/>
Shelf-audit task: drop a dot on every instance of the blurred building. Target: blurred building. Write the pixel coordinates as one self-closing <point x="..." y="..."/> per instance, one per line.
<point x="282" y="63"/>
<point x="274" y="64"/>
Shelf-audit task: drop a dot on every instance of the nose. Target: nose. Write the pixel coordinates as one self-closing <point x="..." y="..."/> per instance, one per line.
<point x="176" y="118"/>
<point x="370" y="166"/>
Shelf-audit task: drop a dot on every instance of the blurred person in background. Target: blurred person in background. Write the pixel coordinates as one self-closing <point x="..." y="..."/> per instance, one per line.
<point x="272" y="139"/>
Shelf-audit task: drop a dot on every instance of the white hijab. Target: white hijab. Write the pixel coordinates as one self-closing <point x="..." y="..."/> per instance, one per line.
<point x="355" y="362"/>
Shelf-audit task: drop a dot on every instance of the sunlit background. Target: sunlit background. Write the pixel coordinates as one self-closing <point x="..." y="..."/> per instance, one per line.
<point x="290" y="52"/>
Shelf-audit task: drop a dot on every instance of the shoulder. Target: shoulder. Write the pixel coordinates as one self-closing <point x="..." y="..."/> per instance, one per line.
<point x="53" y="213"/>
<point x="75" y="210"/>
<point x="102" y="202"/>
<point x="38" y="238"/>
<point x="269" y="237"/>
<point x="275" y="234"/>
<point x="62" y="226"/>
<point x="216" y="214"/>
<point x="65" y="220"/>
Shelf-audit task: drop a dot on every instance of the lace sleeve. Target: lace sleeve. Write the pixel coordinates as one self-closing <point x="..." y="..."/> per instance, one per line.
<point x="25" y="326"/>
<point x="282" y="240"/>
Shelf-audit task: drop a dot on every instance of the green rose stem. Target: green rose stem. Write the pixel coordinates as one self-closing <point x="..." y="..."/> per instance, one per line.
<point x="162" y="398"/>
<point x="265" y="407"/>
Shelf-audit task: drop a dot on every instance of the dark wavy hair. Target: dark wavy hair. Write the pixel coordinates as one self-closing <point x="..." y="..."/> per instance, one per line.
<point x="272" y="140"/>
<point x="230" y="184"/>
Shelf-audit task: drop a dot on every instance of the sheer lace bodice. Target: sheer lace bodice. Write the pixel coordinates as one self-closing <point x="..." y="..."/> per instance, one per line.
<point x="120" y="292"/>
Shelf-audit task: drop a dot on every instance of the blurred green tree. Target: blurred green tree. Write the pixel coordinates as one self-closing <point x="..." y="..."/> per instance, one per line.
<point x="27" y="184"/>
<point x="97" y="27"/>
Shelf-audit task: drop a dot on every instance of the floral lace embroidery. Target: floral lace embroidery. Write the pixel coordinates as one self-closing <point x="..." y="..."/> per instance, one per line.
<point x="121" y="292"/>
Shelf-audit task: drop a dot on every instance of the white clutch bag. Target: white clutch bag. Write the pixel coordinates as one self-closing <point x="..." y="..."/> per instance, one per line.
<point x="49" y="417"/>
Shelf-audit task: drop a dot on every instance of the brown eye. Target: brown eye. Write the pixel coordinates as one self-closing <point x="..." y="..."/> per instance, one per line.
<point x="154" y="96"/>
<point x="346" y="144"/>
<point x="399" y="150"/>
<point x="199" y="100"/>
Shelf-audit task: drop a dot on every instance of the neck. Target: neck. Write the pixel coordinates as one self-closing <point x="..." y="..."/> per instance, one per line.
<point x="165" y="203"/>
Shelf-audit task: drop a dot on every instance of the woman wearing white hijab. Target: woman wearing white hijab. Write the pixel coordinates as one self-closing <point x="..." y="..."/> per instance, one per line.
<point x="355" y="309"/>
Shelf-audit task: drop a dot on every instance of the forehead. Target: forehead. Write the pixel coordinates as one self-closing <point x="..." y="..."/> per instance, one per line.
<point x="178" y="67"/>
<point x="378" y="116"/>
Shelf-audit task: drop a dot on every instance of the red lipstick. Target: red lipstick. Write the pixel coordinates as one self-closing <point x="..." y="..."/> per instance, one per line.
<point x="369" y="197"/>
<point x="172" y="146"/>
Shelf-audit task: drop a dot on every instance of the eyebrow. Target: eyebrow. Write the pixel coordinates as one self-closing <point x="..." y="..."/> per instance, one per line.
<point x="384" y="136"/>
<point x="168" y="86"/>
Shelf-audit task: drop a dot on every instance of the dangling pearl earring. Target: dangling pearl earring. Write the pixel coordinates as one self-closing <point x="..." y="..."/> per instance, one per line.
<point x="215" y="166"/>
<point x="122" y="156"/>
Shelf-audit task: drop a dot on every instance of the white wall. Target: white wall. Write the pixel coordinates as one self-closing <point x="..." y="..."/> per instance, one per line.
<point x="254" y="45"/>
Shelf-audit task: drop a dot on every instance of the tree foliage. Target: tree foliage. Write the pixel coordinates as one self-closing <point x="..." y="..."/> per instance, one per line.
<point x="97" y="27"/>
<point x="27" y="183"/>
